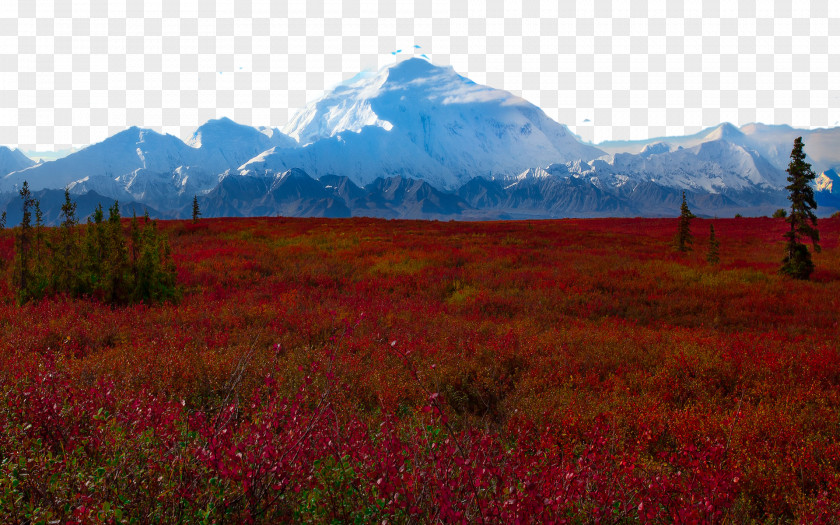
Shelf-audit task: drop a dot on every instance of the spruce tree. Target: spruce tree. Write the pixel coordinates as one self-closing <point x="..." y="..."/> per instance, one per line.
<point x="196" y="213"/>
<point x="94" y="251"/>
<point x="115" y="259"/>
<point x="802" y="219"/>
<point x="65" y="256"/>
<point x="167" y="287"/>
<point x="3" y="261"/>
<point x="68" y="212"/>
<point x="684" y="239"/>
<point x="39" y="228"/>
<point x="156" y="271"/>
<point x="39" y="277"/>
<point x="713" y="257"/>
<point x="22" y="275"/>
<point x="147" y="264"/>
<point x="99" y="263"/>
<point x="134" y="249"/>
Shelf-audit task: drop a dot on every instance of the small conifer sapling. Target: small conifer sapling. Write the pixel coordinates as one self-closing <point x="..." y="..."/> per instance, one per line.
<point x="684" y="238"/>
<point x="713" y="256"/>
<point x="196" y="212"/>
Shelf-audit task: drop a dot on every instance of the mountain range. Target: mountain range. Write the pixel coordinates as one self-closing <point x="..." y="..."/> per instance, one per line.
<point x="416" y="140"/>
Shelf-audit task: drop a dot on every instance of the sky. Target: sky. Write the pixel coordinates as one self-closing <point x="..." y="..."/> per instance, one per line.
<point x="75" y="72"/>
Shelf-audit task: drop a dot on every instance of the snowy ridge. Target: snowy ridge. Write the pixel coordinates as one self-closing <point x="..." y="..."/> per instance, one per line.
<point x="149" y="167"/>
<point x="771" y="142"/>
<point x="827" y="181"/>
<point x="713" y="167"/>
<point x="13" y="160"/>
<point x="347" y="108"/>
<point x="126" y="152"/>
<point x="446" y="144"/>
<point x="423" y="121"/>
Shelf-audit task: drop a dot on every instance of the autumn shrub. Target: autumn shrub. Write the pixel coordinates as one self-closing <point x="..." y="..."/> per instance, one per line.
<point x="365" y="371"/>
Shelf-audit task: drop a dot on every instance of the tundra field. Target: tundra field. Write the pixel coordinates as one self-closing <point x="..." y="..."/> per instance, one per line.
<point x="363" y="370"/>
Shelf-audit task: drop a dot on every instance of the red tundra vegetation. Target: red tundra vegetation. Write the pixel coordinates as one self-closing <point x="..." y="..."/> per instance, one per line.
<point x="573" y="371"/>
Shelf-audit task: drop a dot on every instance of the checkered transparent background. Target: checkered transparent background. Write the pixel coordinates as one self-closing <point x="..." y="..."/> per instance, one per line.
<point x="75" y="72"/>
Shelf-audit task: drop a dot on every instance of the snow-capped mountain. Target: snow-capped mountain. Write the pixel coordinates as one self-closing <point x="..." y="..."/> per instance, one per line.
<point x="717" y="175"/>
<point x="416" y="140"/>
<point x="127" y="153"/>
<point x="828" y="181"/>
<point x="13" y="160"/>
<point x="158" y="169"/>
<point x="773" y="143"/>
<point x="223" y="144"/>
<point x="827" y="186"/>
<point x="716" y="166"/>
<point x="724" y="131"/>
<point x="418" y="120"/>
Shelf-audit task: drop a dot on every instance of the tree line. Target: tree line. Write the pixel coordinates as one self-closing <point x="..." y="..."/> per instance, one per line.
<point x="101" y="259"/>
<point x="802" y="219"/>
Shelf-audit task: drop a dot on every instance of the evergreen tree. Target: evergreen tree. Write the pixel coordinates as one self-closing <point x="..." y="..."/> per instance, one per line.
<point x="106" y="266"/>
<point x="134" y="249"/>
<point x="196" y="213"/>
<point x="115" y="259"/>
<point x="684" y="239"/>
<point x="802" y="219"/>
<point x="94" y="252"/>
<point x="22" y="275"/>
<point x="3" y="261"/>
<point x="713" y="257"/>
<point x="65" y="257"/>
<point x="98" y="214"/>
<point x="155" y="270"/>
<point x="68" y="212"/>
<point x="39" y="278"/>
<point x="39" y="229"/>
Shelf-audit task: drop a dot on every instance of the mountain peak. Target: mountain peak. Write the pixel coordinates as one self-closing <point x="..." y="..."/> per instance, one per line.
<point x="398" y="93"/>
<point x="293" y="174"/>
<point x="725" y="131"/>
<point x="13" y="160"/>
<point x="758" y="127"/>
<point x="413" y="68"/>
<point x="218" y="131"/>
<point x="134" y="134"/>
<point x="656" y="148"/>
<point x="220" y="122"/>
<point x="424" y="121"/>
